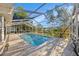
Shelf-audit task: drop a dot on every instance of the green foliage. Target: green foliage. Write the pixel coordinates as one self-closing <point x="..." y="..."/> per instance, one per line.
<point x="54" y="32"/>
<point x="22" y="14"/>
<point x="20" y="8"/>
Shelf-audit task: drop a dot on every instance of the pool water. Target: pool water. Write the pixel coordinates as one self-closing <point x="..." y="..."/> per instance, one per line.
<point x="34" y="39"/>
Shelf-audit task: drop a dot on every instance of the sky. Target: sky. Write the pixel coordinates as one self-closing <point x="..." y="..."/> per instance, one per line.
<point x="32" y="6"/>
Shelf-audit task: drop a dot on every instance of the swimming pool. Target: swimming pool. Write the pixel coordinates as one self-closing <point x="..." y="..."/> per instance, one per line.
<point x="34" y="39"/>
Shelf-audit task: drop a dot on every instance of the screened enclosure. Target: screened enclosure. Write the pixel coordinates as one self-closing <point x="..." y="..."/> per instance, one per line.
<point x="48" y="26"/>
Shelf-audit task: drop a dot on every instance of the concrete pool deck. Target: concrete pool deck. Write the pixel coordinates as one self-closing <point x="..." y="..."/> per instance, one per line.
<point x="55" y="47"/>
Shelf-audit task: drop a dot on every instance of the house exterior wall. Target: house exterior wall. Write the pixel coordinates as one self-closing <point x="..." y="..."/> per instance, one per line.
<point x="6" y="11"/>
<point x="6" y="14"/>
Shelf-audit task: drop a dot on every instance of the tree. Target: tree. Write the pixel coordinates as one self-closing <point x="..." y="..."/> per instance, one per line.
<point x="20" y="14"/>
<point x="20" y="8"/>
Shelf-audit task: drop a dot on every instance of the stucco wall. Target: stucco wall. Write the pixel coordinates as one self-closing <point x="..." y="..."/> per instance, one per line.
<point x="6" y="10"/>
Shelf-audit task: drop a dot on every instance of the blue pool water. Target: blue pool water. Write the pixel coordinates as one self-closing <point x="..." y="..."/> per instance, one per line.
<point x="34" y="39"/>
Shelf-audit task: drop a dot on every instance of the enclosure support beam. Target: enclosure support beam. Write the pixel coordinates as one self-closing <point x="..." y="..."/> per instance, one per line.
<point x="3" y="29"/>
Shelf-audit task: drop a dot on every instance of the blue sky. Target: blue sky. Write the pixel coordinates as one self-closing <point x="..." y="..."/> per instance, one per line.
<point x="42" y="19"/>
<point x="32" y="6"/>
